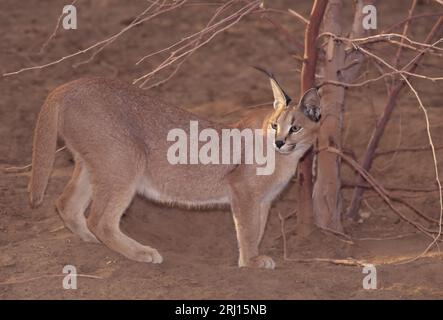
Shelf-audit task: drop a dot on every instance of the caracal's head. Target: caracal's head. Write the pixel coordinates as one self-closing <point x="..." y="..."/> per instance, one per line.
<point x="294" y="126"/>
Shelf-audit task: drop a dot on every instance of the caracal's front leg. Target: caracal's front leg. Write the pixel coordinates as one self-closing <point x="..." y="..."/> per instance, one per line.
<point x="250" y="220"/>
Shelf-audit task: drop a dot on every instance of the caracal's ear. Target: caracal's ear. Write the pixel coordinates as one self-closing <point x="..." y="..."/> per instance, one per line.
<point x="310" y="105"/>
<point x="281" y="99"/>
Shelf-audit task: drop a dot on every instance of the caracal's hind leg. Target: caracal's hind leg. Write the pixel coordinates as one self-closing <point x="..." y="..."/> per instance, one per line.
<point x="71" y="205"/>
<point x="112" y="194"/>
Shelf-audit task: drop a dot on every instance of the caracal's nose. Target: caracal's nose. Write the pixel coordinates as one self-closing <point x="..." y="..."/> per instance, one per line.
<point x="279" y="143"/>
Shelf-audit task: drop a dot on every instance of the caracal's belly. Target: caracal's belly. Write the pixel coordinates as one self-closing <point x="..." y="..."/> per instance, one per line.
<point x="192" y="187"/>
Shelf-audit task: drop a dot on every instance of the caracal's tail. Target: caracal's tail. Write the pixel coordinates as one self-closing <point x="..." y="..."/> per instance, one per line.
<point x="43" y="154"/>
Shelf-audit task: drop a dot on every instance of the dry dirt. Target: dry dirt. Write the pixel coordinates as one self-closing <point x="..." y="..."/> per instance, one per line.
<point x="199" y="248"/>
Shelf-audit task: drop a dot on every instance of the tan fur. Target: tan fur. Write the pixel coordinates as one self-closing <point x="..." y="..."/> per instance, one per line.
<point x="117" y="134"/>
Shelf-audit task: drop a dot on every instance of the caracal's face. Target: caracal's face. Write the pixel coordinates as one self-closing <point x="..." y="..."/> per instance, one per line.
<point x="291" y="129"/>
<point x="294" y="127"/>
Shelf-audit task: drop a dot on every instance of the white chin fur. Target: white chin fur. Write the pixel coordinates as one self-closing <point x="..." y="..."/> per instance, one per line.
<point x="286" y="149"/>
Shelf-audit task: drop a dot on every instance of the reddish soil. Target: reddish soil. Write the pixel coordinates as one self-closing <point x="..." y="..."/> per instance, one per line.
<point x="199" y="248"/>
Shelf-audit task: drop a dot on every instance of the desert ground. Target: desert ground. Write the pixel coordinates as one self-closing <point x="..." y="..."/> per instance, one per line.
<point x="199" y="247"/>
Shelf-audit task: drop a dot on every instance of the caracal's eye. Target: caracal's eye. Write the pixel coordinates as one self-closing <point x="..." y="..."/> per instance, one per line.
<point x="294" y="129"/>
<point x="274" y="126"/>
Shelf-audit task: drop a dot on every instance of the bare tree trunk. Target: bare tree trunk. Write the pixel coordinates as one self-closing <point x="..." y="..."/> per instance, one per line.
<point x="327" y="202"/>
<point x="304" y="171"/>
<point x="344" y="68"/>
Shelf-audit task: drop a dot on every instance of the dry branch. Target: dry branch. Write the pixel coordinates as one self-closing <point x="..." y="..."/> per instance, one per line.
<point x="398" y="199"/>
<point x="387" y="37"/>
<point x="381" y="191"/>
<point x="405" y="32"/>
<point x="158" y="11"/>
<point x="26" y="167"/>
<point x="46" y="276"/>
<point x="347" y="184"/>
<point x="352" y="261"/>
<point x="382" y="76"/>
<point x="383" y="120"/>
<point x="187" y="46"/>
<point x="418" y="16"/>
<point x="405" y="149"/>
<point x="54" y="32"/>
<point x="298" y="16"/>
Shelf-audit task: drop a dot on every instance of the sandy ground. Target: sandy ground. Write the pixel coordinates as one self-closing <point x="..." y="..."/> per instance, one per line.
<point x="199" y="248"/>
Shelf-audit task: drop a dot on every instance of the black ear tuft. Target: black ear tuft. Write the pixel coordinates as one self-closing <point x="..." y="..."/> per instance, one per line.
<point x="274" y="82"/>
<point x="288" y="98"/>
<point x="266" y="72"/>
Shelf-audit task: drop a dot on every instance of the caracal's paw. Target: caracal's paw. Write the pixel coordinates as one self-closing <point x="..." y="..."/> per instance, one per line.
<point x="147" y="254"/>
<point x="261" y="261"/>
<point x="89" y="237"/>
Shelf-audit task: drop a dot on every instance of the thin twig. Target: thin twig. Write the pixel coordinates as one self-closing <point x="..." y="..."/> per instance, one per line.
<point x="26" y="167"/>
<point x="114" y="37"/>
<point x="405" y="149"/>
<point x="54" y="32"/>
<point x="396" y="237"/>
<point x="431" y="143"/>
<point x="415" y="209"/>
<point x="298" y="16"/>
<point x="380" y="190"/>
<point x="348" y="184"/>
<point x="97" y="44"/>
<point x="418" y="16"/>
<point x="24" y="280"/>
<point x="380" y="37"/>
<point x="179" y="53"/>
<point x="384" y="118"/>
<point x="348" y="261"/>
<point x="405" y="32"/>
